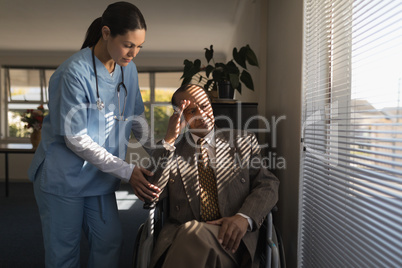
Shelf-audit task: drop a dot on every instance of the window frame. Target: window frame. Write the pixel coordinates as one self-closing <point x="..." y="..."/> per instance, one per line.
<point x="152" y="85"/>
<point x="5" y="90"/>
<point x="6" y="100"/>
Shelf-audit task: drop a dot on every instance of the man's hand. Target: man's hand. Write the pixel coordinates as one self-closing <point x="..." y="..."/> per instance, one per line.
<point x="232" y="231"/>
<point x="142" y="188"/>
<point x="175" y="124"/>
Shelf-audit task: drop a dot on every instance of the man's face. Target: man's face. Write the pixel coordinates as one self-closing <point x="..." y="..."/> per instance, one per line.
<point x="198" y="113"/>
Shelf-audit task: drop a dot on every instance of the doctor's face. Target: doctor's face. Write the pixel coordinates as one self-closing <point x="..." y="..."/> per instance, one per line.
<point x="123" y="48"/>
<point x="198" y="114"/>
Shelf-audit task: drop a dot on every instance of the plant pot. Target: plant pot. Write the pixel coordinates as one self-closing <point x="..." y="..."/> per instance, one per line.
<point x="35" y="138"/>
<point x="226" y="91"/>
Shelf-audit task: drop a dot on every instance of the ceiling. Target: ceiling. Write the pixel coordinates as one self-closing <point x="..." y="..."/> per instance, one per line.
<point x="174" y="26"/>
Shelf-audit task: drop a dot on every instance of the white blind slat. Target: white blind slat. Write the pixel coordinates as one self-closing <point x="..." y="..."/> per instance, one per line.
<point x="351" y="169"/>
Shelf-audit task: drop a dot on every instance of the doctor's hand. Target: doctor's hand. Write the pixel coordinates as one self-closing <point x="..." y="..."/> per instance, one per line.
<point x="232" y="231"/>
<point x="176" y="124"/>
<point x="142" y="188"/>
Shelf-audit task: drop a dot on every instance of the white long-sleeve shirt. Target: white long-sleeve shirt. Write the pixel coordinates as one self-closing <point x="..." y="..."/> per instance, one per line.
<point x="86" y="148"/>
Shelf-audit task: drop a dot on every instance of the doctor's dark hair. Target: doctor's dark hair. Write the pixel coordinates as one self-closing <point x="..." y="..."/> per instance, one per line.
<point x="120" y="17"/>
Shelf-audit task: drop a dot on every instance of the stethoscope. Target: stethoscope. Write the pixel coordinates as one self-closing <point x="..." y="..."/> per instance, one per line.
<point x="99" y="103"/>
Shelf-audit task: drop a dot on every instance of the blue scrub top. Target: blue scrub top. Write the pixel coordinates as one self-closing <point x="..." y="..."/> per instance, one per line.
<point x="72" y="111"/>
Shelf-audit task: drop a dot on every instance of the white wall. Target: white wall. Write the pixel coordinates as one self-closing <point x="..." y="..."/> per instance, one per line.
<point x="144" y="60"/>
<point x="273" y="29"/>
<point x="284" y="76"/>
<point x="251" y="29"/>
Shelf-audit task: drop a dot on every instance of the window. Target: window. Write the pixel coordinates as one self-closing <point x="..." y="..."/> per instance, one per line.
<point x="351" y="172"/>
<point x="27" y="88"/>
<point x="157" y="89"/>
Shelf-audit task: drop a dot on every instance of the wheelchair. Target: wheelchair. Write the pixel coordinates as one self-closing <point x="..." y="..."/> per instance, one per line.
<point x="270" y="241"/>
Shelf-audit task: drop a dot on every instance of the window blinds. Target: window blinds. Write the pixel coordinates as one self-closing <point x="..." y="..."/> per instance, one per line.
<point x="351" y="171"/>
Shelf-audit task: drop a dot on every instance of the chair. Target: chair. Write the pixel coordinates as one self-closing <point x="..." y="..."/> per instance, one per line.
<point x="272" y="255"/>
<point x="148" y="232"/>
<point x="273" y="251"/>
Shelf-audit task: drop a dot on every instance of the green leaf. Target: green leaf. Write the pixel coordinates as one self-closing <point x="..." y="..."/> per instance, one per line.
<point x="197" y="65"/>
<point x="220" y="66"/>
<point x="215" y="86"/>
<point x="209" y="53"/>
<point x="195" y="68"/>
<point x="232" y="68"/>
<point x="208" y="84"/>
<point x="188" y="65"/>
<point x="186" y="80"/>
<point x="240" y="57"/>
<point x="208" y="70"/>
<point x="234" y="80"/>
<point x="218" y="75"/>
<point x="247" y="80"/>
<point x="239" y="88"/>
<point x="190" y="69"/>
<point x="251" y="57"/>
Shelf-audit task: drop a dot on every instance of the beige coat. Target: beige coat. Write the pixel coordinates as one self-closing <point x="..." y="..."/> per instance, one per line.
<point x="244" y="186"/>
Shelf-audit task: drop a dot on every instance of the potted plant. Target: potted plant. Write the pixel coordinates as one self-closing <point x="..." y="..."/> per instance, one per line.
<point x="34" y="119"/>
<point x="226" y="77"/>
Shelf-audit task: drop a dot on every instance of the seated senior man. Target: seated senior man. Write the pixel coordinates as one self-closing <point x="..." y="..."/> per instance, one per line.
<point x="219" y="192"/>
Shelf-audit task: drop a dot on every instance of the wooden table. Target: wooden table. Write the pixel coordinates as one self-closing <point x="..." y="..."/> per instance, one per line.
<point x="14" y="148"/>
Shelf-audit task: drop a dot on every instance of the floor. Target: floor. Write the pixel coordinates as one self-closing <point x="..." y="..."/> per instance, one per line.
<point x="21" y="242"/>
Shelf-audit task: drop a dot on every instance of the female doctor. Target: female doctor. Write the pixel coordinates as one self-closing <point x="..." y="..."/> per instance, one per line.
<point x="94" y="104"/>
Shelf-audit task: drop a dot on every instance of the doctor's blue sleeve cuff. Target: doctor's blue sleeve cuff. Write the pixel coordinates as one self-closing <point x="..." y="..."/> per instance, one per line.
<point x="90" y="151"/>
